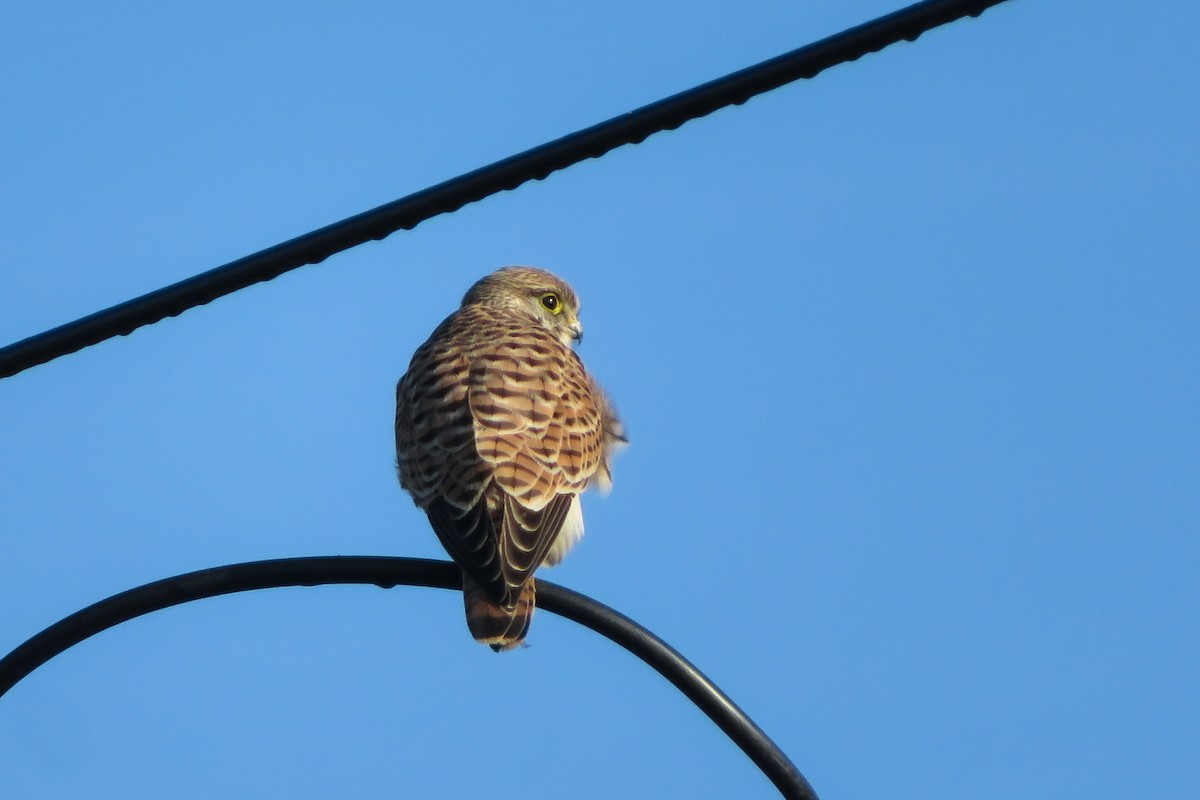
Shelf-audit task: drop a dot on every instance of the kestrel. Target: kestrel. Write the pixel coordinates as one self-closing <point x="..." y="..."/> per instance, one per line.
<point x="499" y="428"/>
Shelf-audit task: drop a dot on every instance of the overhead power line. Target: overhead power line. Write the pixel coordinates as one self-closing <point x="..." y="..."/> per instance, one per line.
<point x="389" y="572"/>
<point x="406" y="213"/>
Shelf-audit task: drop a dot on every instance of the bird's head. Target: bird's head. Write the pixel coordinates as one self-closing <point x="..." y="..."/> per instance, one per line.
<point x="532" y="292"/>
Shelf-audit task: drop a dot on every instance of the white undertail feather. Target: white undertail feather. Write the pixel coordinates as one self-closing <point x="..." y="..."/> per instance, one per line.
<point x="570" y="533"/>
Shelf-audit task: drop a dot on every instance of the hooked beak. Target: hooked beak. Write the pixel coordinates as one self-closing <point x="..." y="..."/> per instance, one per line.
<point x="577" y="332"/>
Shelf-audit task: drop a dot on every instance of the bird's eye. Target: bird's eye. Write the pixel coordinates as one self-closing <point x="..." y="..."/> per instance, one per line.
<point x="551" y="303"/>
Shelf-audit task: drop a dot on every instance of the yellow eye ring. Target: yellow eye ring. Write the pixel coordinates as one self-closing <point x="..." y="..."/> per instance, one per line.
<point x="551" y="303"/>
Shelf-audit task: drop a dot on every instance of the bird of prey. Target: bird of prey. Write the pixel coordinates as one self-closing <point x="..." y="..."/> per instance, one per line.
<point x="499" y="428"/>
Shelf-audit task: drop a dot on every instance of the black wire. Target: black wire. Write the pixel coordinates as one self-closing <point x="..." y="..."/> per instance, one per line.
<point x="389" y="572"/>
<point x="406" y="213"/>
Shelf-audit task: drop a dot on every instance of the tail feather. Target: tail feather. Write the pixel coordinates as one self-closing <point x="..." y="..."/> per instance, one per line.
<point x="497" y="626"/>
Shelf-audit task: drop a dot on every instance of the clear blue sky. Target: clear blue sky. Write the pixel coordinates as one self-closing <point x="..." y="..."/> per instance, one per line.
<point x="908" y="354"/>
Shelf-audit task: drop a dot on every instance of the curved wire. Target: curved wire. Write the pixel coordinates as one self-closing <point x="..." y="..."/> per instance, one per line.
<point x="535" y="164"/>
<point x="388" y="572"/>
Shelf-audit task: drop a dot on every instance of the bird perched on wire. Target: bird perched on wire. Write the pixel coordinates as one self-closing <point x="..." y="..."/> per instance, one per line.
<point x="499" y="428"/>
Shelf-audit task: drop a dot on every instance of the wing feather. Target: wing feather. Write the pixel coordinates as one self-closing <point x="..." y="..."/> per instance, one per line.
<point x="538" y="427"/>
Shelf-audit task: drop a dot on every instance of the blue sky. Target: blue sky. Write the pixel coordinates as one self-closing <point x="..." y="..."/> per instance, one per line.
<point x="908" y="356"/>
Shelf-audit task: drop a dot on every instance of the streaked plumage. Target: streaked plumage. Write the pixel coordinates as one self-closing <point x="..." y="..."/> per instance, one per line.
<point x="499" y="428"/>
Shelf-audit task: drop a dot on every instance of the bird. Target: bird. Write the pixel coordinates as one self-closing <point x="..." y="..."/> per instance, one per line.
<point x="499" y="429"/>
